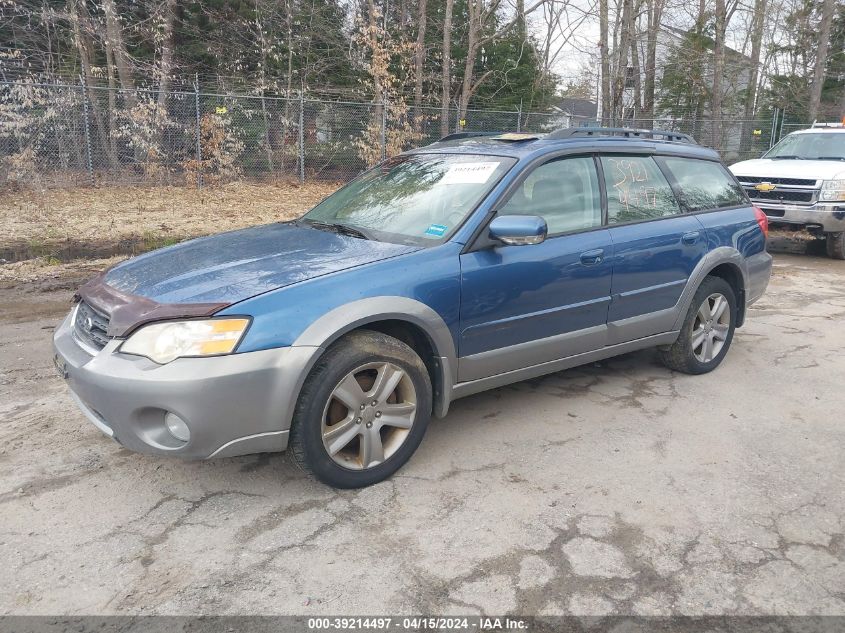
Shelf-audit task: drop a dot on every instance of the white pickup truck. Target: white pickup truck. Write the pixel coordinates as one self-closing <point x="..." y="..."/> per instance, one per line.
<point x="800" y="183"/>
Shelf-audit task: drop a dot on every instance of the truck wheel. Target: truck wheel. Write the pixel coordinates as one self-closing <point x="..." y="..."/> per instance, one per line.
<point x="362" y="411"/>
<point x="707" y="331"/>
<point x="835" y="243"/>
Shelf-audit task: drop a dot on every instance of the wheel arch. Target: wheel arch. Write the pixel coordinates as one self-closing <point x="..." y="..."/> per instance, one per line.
<point x="409" y="320"/>
<point x="732" y="273"/>
<point x="725" y="262"/>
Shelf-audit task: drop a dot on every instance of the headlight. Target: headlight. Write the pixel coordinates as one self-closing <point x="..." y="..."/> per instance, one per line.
<point x="167" y="341"/>
<point x="833" y="190"/>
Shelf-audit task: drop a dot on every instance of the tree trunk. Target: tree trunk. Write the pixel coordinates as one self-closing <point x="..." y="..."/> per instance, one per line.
<point x="446" y="77"/>
<point x="638" y="87"/>
<point x="821" y="59"/>
<point x="167" y="46"/>
<point x="84" y="48"/>
<point x="419" y="60"/>
<point x="718" y="71"/>
<point x="605" y="63"/>
<point x="476" y="9"/>
<point x="619" y="80"/>
<point x="654" y="16"/>
<point x="757" y="25"/>
<point x="374" y="50"/>
<point x="114" y="38"/>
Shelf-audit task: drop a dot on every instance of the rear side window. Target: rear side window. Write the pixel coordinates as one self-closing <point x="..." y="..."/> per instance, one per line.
<point x="704" y="185"/>
<point x="636" y="190"/>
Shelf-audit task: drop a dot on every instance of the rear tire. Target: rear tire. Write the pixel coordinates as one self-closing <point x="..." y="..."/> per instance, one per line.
<point x="707" y="331"/>
<point x="835" y="243"/>
<point x="362" y="411"/>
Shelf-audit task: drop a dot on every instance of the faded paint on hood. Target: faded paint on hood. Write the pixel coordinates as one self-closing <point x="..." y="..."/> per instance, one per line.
<point x="234" y="266"/>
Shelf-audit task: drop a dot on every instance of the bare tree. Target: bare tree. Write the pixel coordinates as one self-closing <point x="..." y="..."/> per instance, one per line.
<point x="480" y="16"/>
<point x="626" y="28"/>
<point x="446" y="73"/>
<point x="821" y="59"/>
<point x="604" y="46"/>
<point x="167" y="48"/>
<point x="758" y="16"/>
<point x="114" y="46"/>
<point x="654" y="17"/>
<point x="419" y="58"/>
<point x="724" y="12"/>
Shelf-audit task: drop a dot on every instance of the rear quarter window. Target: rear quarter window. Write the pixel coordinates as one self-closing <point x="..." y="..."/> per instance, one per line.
<point x="704" y="184"/>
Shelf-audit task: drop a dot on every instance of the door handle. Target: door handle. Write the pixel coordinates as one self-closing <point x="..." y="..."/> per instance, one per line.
<point x="691" y="237"/>
<point x="591" y="258"/>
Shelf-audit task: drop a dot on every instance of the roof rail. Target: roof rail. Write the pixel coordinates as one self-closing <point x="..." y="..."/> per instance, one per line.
<point x="817" y="124"/>
<point x="456" y="136"/>
<point x="675" y="137"/>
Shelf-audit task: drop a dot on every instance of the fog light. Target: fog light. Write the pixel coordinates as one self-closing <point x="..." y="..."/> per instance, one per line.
<point x="177" y="427"/>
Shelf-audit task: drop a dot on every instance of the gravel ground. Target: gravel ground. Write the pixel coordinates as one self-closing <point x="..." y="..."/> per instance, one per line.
<point x="615" y="488"/>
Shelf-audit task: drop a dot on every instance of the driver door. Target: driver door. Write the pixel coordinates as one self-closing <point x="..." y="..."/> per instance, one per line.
<point x="526" y="305"/>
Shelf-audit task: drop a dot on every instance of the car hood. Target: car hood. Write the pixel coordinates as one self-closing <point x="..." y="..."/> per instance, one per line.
<point x="809" y="169"/>
<point x="231" y="267"/>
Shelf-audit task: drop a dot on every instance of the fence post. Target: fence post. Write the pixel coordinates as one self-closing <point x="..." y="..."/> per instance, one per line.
<point x="87" y="129"/>
<point x="774" y="124"/>
<point x="199" y="144"/>
<point x="458" y="119"/>
<point x="519" y="117"/>
<point x="384" y="127"/>
<point x="301" y="137"/>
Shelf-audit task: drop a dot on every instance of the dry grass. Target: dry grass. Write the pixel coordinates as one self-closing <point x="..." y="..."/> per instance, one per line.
<point x="162" y="213"/>
<point x="44" y="270"/>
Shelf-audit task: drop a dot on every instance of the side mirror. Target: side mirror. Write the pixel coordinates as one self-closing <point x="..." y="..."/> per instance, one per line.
<point x="518" y="230"/>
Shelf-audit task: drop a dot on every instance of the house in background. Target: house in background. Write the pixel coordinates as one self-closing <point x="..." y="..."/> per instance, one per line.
<point x="675" y="106"/>
<point x="572" y="112"/>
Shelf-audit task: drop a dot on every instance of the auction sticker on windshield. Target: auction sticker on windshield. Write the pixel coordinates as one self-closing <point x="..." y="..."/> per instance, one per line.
<point x="468" y="173"/>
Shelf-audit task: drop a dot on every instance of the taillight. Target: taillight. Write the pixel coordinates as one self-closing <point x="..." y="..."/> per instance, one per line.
<point x="762" y="220"/>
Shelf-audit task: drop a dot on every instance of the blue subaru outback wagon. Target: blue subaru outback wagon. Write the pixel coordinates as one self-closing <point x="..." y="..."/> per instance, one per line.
<point x="475" y="262"/>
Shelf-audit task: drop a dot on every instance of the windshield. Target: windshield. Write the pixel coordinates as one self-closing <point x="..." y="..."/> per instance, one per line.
<point x="419" y="199"/>
<point x="821" y="146"/>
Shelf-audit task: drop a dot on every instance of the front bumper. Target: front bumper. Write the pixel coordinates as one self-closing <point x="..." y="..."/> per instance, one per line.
<point x="233" y="405"/>
<point x="829" y="216"/>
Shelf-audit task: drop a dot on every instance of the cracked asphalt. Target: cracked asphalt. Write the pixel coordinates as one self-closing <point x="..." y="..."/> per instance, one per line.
<point x="616" y="488"/>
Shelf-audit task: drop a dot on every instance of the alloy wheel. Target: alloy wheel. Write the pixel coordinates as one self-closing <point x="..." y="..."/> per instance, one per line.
<point x="711" y="327"/>
<point x="369" y="415"/>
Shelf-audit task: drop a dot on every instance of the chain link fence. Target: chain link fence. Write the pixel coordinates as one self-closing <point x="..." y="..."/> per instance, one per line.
<point x="71" y="135"/>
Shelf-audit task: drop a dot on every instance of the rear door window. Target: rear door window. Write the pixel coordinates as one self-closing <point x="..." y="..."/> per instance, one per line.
<point x="704" y="184"/>
<point x="636" y="190"/>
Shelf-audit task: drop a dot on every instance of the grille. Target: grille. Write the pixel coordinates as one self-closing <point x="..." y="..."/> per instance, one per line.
<point x="90" y="327"/>
<point x="799" y="182"/>
<point x="781" y="196"/>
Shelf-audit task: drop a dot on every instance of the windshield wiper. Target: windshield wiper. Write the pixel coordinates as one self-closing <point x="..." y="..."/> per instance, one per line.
<point x="831" y="158"/>
<point x="787" y="157"/>
<point x="342" y="229"/>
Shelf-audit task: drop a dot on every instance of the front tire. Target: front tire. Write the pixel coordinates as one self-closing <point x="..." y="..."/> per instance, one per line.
<point x="362" y="411"/>
<point x="835" y="243"/>
<point x="707" y="331"/>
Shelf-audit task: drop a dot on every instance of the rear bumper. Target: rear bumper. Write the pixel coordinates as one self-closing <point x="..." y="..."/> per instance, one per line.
<point x="758" y="271"/>
<point x="233" y="405"/>
<point x="829" y="217"/>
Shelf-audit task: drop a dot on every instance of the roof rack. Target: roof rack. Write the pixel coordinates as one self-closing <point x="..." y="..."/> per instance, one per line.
<point x="627" y="132"/>
<point x="817" y="124"/>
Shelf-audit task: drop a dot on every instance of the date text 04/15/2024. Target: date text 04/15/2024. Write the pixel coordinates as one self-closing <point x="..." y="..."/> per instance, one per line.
<point x="417" y="622"/>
